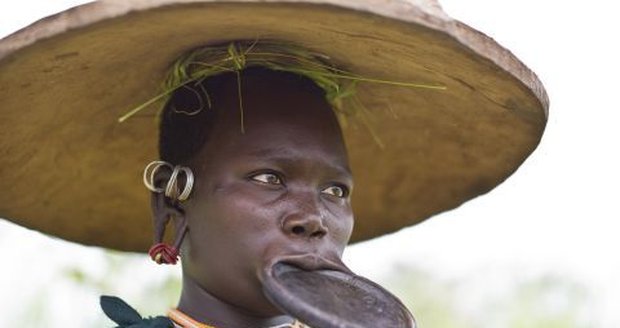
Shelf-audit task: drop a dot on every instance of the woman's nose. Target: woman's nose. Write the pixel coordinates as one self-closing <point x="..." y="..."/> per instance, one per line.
<point x="307" y="224"/>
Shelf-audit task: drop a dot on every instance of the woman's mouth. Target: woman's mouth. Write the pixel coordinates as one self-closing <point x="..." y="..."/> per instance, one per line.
<point x="311" y="262"/>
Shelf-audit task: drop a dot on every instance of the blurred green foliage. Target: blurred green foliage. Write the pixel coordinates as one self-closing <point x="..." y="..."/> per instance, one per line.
<point x="542" y="301"/>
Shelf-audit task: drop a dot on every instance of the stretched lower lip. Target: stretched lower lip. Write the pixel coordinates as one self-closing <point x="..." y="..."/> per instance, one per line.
<point x="312" y="262"/>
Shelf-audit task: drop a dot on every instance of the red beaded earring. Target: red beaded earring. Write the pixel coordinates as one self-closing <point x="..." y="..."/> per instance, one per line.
<point x="162" y="253"/>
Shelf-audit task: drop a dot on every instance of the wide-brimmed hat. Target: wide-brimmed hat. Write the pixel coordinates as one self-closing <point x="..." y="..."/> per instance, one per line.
<point x="70" y="169"/>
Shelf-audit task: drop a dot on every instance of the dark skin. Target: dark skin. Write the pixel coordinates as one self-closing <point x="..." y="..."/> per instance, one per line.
<point x="280" y="191"/>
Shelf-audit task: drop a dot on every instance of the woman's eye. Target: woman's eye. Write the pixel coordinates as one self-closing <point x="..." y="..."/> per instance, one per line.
<point x="268" y="178"/>
<point x="337" y="191"/>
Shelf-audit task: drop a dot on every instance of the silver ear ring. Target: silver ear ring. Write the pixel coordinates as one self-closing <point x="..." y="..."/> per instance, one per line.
<point x="189" y="183"/>
<point x="148" y="177"/>
<point x="172" y="186"/>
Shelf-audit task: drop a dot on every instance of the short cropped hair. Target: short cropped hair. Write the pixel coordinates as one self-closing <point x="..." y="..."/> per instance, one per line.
<point x="188" y="116"/>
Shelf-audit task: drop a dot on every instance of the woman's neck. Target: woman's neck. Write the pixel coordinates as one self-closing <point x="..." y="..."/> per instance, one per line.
<point x="204" y="307"/>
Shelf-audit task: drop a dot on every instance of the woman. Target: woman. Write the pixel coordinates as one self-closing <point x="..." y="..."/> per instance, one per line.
<point x="253" y="170"/>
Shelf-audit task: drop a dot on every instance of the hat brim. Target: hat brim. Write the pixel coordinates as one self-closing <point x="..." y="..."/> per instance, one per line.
<point x="68" y="168"/>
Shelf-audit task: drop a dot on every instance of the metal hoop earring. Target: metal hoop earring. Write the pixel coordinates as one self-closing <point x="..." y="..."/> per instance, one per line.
<point x="148" y="177"/>
<point x="172" y="188"/>
<point x="189" y="184"/>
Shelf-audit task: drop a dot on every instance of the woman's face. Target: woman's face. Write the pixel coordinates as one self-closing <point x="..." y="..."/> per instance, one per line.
<point x="280" y="189"/>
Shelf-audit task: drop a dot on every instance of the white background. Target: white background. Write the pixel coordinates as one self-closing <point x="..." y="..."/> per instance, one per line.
<point x="557" y="214"/>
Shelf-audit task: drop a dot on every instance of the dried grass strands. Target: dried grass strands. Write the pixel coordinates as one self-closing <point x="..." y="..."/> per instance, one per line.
<point x="339" y="85"/>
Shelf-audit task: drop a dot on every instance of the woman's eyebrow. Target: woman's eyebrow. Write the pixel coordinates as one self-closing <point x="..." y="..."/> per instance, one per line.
<point x="270" y="152"/>
<point x="287" y="156"/>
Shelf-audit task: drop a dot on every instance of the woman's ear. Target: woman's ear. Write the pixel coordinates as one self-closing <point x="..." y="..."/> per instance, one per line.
<point x="166" y="198"/>
<point x="163" y="180"/>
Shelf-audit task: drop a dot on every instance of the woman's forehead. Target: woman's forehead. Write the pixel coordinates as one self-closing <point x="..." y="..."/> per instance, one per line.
<point x="274" y="115"/>
<point x="280" y="142"/>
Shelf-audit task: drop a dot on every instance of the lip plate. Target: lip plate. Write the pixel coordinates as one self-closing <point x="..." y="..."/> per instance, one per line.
<point x="327" y="298"/>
